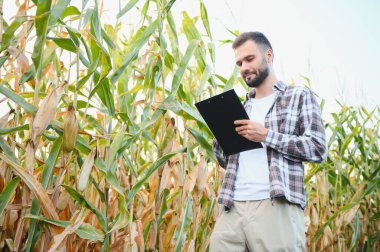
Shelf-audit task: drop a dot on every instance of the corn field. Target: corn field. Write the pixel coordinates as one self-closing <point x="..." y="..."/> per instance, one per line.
<point x="102" y="149"/>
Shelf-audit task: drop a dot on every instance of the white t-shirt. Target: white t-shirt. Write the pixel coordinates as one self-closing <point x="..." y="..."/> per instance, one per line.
<point x="252" y="180"/>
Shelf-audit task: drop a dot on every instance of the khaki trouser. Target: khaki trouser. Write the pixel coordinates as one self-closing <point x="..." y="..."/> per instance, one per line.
<point x="259" y="226"/>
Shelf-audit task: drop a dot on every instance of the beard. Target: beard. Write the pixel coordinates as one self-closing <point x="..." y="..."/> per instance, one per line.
<point x="261" y="75"/>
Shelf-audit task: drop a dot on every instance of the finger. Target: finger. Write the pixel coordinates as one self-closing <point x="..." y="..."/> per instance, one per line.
<point x="241" y="122"/>
<point x="242" y="133"/>
<point x="240" y="128"/>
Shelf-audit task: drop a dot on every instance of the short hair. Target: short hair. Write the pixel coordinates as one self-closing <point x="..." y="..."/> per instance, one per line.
<point x="258" y="37"/>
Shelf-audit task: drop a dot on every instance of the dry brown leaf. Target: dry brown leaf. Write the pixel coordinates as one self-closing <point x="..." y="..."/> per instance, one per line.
<point x="4" y="118"/>
<point x="59" y="238"/>
<point x="29" y="157"/>
<point x="19" y="233"/>
<point x="35" y="187"/>
<point x="202" y="174"/>
<point x="190" y="180"/>
<point x="349" y="215"/>
<point x="314" y="217"/>
<point x="140" y="236"/>
<point x="191" y="247"/>
<point x="63" y="200"/>
<point x="46" y="112"/>
<point x="86" y="170"/>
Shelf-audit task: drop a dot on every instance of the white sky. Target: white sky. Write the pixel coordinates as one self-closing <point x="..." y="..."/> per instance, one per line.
<point x="334" y="43"/>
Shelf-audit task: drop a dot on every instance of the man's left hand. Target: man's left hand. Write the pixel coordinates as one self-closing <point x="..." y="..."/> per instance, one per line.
<point x="251" y="130"/>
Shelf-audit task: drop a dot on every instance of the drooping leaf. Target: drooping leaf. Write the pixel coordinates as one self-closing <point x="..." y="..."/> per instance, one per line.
<point x="4" y="131"/>
<point x="18" y="99"/>
<point x="70" y="11"/>
<point x="35" y="187"/>
<point x="87" y="204"/>
<point x="64" y="43"/>
<point x="85" y="231"/>
<point x="126" y="8"/>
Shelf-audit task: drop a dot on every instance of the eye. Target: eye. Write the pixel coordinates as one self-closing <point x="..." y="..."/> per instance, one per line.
<point x="249" y="59"/>
<point x="239" y="63"/>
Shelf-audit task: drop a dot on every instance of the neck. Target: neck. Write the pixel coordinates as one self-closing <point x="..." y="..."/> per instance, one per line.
<point x="266" y="88"/>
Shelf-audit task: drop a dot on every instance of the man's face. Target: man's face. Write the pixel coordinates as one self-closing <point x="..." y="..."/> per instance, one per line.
<point x="252" y="64"/>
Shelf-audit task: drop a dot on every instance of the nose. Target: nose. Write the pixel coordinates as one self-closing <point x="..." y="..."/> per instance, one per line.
<point x="244" y="67"/>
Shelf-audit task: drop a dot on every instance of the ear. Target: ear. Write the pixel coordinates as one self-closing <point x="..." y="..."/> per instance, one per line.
<point x="269" y="56"/>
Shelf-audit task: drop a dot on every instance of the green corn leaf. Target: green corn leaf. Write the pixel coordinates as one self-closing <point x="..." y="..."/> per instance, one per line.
<point x="169" y="5"/>
<point x="135" y="48"/>
<point x="92" y="122"/>
<point x="126" y="8"/>
<point x="65" y="43"/>
<point x="116" y="144"/>
<point x="120" y="221"/>
<point x="182" y="67"/>
<point x="209" y="214"/>
<point x="152" y="168"/>
<point x="189" y="27"/>
<point x="7" y="150"/>
<point x="50" y="162"/>
<point x="3" y="59"/>
<point x="87" y="204"/>
<point x="180" y="236"/>
<point x="18" y="99"/>
<point x="85" y="231"/>
<point x="206" y="75"/>
<point x="232" y="80"/>
<point x="74" y="35"/>
<point x="57" y="11"/>
<point x="204" y="17"/>
<point x="114" y="182"/>
<point x="28" y="75"/>
<point x="164" y="207"/>
<point x="46" y="178"/>
<point x="41" y="24"/>
<point x="5" y="131"/>
<point x="144" y="11"/>
<point x="328" y="222"/>
<point x="95" y="24"/>
<point x="376" y="216"/>
<point x="108" y="40"/>
<point x="6" y="194"/>
<point x="103" y="90"/>
<point x="70" y="11"/>
<point x="9" y="32"/>
<point x="202" y="141"/>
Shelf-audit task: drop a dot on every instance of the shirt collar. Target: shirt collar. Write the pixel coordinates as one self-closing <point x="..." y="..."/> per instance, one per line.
<point x="278" y="86"/>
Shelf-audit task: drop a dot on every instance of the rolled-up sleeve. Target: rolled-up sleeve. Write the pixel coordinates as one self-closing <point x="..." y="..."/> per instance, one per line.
<point x="219" y="154"/>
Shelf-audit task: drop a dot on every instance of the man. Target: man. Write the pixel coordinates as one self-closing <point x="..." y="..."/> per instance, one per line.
<point x="263" y="194"/>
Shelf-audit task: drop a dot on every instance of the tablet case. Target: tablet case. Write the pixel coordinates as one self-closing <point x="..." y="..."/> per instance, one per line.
<point x="220" y="112"/>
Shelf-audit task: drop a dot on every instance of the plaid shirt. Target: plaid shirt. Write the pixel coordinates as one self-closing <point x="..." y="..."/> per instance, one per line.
<point x="296" y="134"/>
